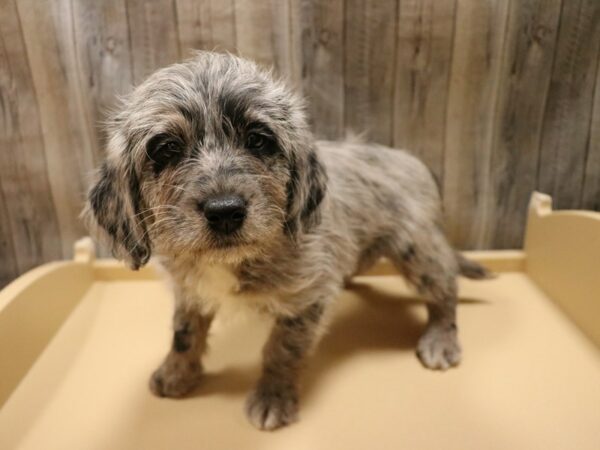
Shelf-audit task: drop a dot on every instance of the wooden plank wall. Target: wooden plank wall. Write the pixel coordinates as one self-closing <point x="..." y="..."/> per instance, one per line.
<point x="498" y="97"/>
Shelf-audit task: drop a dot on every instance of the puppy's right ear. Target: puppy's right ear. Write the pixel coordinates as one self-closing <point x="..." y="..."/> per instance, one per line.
<point x="306" y="189"/>
<point x="113" y="213"/>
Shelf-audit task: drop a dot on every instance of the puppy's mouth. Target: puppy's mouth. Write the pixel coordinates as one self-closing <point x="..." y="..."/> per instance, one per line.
<point x="227" y="244"/>
<point x="230" y="250"/>
<point x="232" y="241"/>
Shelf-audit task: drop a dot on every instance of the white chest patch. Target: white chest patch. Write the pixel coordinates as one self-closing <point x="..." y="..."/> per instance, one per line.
<point x="217" y="284"/>
<point x="219" y="290"/>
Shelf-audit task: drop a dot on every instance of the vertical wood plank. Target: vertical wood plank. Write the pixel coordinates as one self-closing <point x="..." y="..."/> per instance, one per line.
<point x="288" y="30"/>
<point x="8" y="257"/>
<point x="48" y="35"/>
<point x="425" y="32"/>
<point x="206" y="25"/>
<point x="497" y="97"/>
<point x="478" y="40"/>
<point x="104" y="61"/>
<point x="194" y="25"/>
<point x="568" y="113"/>
<point x="323" y="65"/>
<point x="154" y="38"/>
<point x="526" y="67"/>
<point x="254" y="31"/>
<point x="591" y="187"/>
<point x="27" y="205"/>
<point x="222" y="13"/>
<point x="369" y="51"/>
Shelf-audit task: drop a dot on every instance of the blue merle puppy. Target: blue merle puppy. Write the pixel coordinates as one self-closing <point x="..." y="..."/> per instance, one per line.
<point x="211" y="167"/>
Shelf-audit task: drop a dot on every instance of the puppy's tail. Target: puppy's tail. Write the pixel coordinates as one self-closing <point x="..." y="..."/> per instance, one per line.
<point x="472" y="269"/>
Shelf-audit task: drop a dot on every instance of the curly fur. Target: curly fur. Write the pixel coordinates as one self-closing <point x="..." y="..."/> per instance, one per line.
<point x="317" y="213"/>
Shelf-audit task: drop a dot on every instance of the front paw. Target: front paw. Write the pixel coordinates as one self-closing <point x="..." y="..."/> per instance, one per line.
<point x="272" y="405"/>
<point x="175" y="377"/>
<point x="438" y="348"/>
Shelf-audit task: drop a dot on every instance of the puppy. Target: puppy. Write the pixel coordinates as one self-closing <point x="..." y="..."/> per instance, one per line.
<point x="212" y="168"/>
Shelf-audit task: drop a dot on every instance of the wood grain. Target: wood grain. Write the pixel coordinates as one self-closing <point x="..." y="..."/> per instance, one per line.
<point x="104" y="61"/>
<point x="287" y="40"/>
<point x="369" y="51"/>
<point x="206" y="25"/>
<point x="67" y="145"/>
<point x="323" y="65"/>
<point x="478" y="43"/>
<point x="254" y="31"/>
<point x="526" y="67"/>
<point x="154" y="37"/>
<point x="591" y="186"/>
<point x="567" y="119"/>
<point x="425" y="32"/>
<point x="26" y="193"/>
<point x="498" y="97"/>
<point x="8" y="257"/>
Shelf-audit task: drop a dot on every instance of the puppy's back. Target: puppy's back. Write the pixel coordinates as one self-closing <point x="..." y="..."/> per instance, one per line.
<point x="375" y="176"/>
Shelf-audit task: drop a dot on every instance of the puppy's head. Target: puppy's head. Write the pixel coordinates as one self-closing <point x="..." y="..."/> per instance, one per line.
<point x="211" y="157"/>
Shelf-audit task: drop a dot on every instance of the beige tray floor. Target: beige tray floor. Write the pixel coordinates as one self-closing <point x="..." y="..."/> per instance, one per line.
<point x="529" y="378"/>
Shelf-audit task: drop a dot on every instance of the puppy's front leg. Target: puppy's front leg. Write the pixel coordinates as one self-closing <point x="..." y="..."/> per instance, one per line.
<point x="274" y="401"/>
<point x="180" y="371"/>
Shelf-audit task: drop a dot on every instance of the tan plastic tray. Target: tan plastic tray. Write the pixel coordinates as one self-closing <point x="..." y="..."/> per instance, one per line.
<point x="79" y="339"/>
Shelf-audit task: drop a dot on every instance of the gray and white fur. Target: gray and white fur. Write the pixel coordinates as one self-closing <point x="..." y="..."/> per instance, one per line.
<point x="211" y="167"/>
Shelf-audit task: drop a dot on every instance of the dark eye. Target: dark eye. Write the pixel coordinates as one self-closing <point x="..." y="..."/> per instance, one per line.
<point x="170" y="149"/>
<point x="255" y="141"/>
<point x="164" y="152"/>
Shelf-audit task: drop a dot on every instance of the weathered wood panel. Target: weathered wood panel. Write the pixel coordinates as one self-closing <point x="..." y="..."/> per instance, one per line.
<point x="67" y="145"/>
<point x="369" y="52"/>
<point x="8" y="257"/>
<point x="568" y="112"/>
<point x="287" y="39"/>
<point x="154" y="37"/>
<point x="104" y="61"/>
<point x="498" y="97"/>
<point x="475" y="75"/>
<point x="524" y="80"/>
<point x="206" y="25"/>
<point x="254" y="31"/>
<point x="425" y="33"/>
<point x="323" y="65"/>
<point x="591" y="187"/>
<point x="30" y="214"/>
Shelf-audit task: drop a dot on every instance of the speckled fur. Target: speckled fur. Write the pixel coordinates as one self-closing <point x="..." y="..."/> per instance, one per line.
<point x="318" y="213"/>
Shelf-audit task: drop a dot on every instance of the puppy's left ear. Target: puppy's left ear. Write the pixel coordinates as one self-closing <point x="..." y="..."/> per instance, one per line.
<point x="306" y="189"/>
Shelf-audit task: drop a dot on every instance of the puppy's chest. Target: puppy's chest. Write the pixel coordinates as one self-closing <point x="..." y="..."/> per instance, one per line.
<point x="216" y="283"/>
<point x="219" y="288"/>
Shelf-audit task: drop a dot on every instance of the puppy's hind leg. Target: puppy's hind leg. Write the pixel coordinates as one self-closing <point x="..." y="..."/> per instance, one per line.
<point x="429" y="263"/>
<point x="181" y="369"/>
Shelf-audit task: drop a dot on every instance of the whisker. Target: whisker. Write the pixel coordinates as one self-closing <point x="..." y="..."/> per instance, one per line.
<point x="156" y="207"/>
<point x="176" y="187"/>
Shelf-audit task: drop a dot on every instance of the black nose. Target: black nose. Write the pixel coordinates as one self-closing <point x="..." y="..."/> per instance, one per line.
<point x="226" y="213"/>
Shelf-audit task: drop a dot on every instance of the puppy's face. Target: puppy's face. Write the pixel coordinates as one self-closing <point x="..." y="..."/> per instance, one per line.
<point x="210" y="157"/>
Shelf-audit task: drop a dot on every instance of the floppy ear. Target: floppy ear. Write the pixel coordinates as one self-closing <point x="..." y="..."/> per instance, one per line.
<point x="114" y="211"/>
<point x="305" y="191"/>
